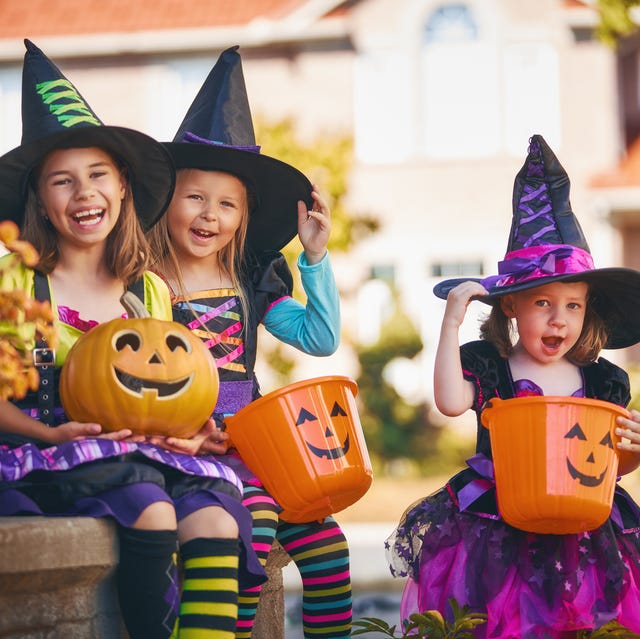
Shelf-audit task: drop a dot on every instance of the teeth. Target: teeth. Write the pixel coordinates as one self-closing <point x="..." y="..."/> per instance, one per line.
<point x="89" y="216"/>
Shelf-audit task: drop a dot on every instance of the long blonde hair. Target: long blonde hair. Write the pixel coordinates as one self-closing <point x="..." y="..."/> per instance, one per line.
<point x="231" y="258"/>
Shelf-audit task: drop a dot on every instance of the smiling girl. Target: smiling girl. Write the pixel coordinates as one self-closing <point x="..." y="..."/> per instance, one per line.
<point x="85" y="194"/>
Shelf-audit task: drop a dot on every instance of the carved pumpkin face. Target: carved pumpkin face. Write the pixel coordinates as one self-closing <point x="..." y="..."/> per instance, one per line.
<point x="149" y="375"/>
<point x="322" y="438"/>
<point x="588" y="460"/>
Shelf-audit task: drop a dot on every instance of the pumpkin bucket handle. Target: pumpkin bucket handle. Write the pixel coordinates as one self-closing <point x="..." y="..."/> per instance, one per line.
<point x="133" y="305"/>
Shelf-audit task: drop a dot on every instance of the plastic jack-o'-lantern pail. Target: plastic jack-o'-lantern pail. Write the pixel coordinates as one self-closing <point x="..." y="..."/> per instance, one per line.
<point x="305" y="443"/>
<point x="555" y="461"/>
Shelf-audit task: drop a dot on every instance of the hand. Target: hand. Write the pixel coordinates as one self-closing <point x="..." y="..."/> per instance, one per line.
<point x="199" y="443"/>
<point x="458" y="301"/>
<point x="314" y="227"/>
<point x="629" y="428"/>
<point x="80" y="430"/>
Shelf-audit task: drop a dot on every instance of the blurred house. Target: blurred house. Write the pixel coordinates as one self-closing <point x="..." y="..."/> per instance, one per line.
<point x="440" y="97"/>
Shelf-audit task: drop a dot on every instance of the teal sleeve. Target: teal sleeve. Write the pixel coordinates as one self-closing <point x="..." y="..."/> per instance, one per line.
<point x="314" y="328"/>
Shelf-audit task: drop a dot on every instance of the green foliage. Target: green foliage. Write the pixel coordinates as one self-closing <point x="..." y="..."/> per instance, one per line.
<point x="615" y="20"/>
<point x="611" y="630"/>
<point x="327" y="162"/>
<point x="432" y="625"/>
<point x="426" y="625"/>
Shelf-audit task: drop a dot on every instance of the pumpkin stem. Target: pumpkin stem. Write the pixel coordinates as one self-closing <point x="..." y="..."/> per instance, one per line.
<point x="133" y="305"/>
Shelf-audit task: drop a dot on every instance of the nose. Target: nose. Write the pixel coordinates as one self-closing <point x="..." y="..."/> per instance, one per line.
<point x="558" y="318"/>
<point x="209" y="214"/>
<point x="84" y="190"/>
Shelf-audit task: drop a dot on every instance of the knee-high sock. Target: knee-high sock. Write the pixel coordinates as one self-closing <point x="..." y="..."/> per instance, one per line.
<point x="209" y="604"/>
<point x="264" y="512"/>
<point x="321" y="554"/>
<point x="147" y="582"/>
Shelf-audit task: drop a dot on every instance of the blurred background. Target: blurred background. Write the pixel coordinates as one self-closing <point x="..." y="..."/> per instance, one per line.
<point x="413" y="117"/>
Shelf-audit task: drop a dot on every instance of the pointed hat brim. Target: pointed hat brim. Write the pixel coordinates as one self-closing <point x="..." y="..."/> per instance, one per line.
<point x="148" y="164"/>
<point x="614" y="293"/>
<point x="276" y="186"/>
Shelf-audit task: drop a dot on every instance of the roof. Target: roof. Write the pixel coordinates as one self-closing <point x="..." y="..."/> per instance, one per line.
<point x="33" y="18"/>
<point x="626" y="173"/>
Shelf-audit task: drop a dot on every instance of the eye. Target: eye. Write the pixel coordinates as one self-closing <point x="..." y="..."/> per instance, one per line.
<point x="176" y="342"/>
<point x="98" y="174"/>
<point x="228" y="204"/>
<point x="542" y="302"/>
<point x="574" y="306"/>
<point x="61" y="181"/>
<point x="576" y="432"/>
<point x="195" y="196"/>
<point x="127" y="338"/>
<point x="606" y="441"/>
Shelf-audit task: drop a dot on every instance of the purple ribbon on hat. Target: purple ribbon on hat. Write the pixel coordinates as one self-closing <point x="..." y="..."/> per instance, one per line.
<point x="537" y="262"/>
<point x="192" y="138"/>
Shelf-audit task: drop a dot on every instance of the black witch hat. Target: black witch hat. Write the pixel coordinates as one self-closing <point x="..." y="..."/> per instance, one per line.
<point x="54" y="116"/>
<point x="546" y="244"/>
<point x="217" y="135"/>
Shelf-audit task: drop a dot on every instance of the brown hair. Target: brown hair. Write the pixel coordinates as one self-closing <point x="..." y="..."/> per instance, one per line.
<point x="127" y="250"/>
<point x="230" y="257"/>
<point x="499" y="330"/>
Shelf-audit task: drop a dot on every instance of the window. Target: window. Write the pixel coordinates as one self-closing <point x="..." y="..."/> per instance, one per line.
<point x="457" y="269"/>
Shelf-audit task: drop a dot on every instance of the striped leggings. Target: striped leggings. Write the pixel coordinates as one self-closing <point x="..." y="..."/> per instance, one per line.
<point x="321" y="554"/>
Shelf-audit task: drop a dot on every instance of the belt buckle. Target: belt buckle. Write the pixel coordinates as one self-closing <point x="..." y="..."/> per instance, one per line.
<point x="44" y="357"/>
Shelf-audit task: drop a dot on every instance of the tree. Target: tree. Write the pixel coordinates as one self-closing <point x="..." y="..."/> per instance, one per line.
<point x="615" y="20"/>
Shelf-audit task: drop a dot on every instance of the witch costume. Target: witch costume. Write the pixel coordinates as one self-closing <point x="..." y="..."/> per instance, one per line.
<point x="454" y="542"/>
<point x="95" y="477"/>
<point x="217" y="135"/>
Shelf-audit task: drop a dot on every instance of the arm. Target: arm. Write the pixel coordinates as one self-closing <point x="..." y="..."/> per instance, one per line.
<point x="314" y="328"/>
<point x="453" y="394"/>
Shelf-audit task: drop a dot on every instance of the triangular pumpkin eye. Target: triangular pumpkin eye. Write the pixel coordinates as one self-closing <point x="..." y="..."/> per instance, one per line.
<point x="338" y="410"/>
<point x="305" y="416"/>
<point x="575" y="431"/>
<point x="606" y="440"/>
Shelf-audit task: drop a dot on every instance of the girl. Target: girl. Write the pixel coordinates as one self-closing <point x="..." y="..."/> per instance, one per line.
<point x="454" y="543"/>
<point x="233" y="209"/>
<point x="83" y="193"/>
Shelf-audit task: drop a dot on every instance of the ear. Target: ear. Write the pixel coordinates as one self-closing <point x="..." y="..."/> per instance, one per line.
<point x="507" y="306"/>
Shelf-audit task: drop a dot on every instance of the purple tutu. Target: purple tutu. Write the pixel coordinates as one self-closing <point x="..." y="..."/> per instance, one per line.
<point x="530" y="585"/>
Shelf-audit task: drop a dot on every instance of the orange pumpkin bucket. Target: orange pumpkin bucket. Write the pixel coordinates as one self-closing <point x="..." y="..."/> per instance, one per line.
<point x="305" y="443"/>
<point x="555" y="461"/>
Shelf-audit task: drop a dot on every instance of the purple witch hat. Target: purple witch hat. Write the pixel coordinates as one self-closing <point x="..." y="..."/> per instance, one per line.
<point x="546" y="244"/>
<point x="217" y="135"/>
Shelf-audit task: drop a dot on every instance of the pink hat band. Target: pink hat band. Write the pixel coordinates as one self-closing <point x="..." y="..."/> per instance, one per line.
<point x="536" y="262"/>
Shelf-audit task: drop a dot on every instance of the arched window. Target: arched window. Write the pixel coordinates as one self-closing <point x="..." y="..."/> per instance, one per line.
<point x="460" y="97"/>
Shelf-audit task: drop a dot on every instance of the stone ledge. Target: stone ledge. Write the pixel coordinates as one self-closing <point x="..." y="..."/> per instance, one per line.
<point x="57" y="581"/>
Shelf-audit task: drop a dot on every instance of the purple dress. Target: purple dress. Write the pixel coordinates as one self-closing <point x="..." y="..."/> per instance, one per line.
<point x="103" y="478"/>
<point x="453" y="543"/>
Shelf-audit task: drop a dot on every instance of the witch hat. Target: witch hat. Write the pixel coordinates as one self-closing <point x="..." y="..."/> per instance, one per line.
<point x="546" y="244"/>
<point x="55" y="115"/>
<point x="217" y="135"/>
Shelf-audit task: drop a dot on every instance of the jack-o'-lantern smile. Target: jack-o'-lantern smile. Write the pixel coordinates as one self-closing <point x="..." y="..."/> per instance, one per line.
<point x="330" y="453"/>
<point x="305" y="416"/>
<point x="163" y="389"/>
<point x="587" y="479"/>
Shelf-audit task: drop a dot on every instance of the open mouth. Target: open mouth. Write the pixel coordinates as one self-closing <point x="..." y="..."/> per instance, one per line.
<point x="88" y="217"/>
<point x="138" y="385"/>
<point x="330" y="453"/>
<point x="205" y="235"/>
<point x="552" y="343"/>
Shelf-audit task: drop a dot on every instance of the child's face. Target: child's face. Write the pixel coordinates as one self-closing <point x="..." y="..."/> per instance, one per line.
<point x="206" y="210"/>
<point x="80" y="190"/>
<point x="549" y="318"/>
